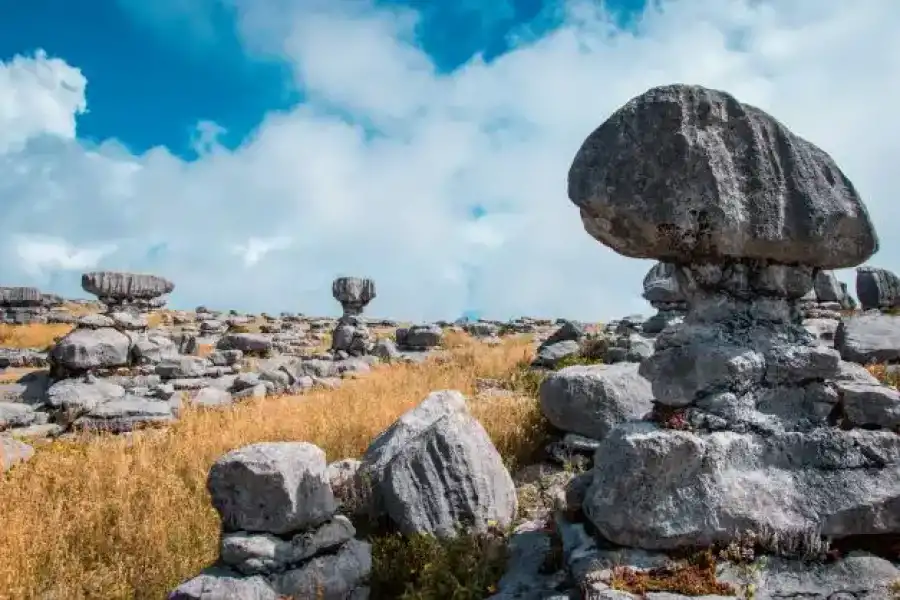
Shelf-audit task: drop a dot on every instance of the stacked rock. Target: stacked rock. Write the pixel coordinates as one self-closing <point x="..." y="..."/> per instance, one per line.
<point x="662" y="291"/>
<point x="351" y="336"/>
<point x="827" y="298"/>
<point x="127" y="291"/>
<point x="106" y="341"/>
<point x="22" y="305"/>
<point x="755" y="426"/>
<point x="877" y="289"/>
<point x="281" y="536"/>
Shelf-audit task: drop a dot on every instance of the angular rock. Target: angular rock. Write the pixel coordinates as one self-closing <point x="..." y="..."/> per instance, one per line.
<point x="591" y="400"/>
<point x="330" y="576"/>
<point x="272" y="487"/>
<point x="264" y="553"/>
<point x="84" y="349"/>
<point x="660" y="489"/>
<point x="435" y="470"/>
<point x="870" y="338"/>
<point x="218" y="583"/>
<point x="877" y="288"/>
<point x="703" y="178"/>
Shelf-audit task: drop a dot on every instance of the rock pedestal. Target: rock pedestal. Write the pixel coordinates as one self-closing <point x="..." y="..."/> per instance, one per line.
<point x="281" y="536"/>
<point x="135" y="291"/>
<point x="23" y="305"/>
<point x="107" y="340"/>
<point x="662" y="291"/>
<point x="755" y="426"/>
<point x="351" y="335"/>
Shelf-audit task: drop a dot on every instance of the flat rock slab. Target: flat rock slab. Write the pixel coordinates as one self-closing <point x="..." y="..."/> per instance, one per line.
<point x="868" y="339"/>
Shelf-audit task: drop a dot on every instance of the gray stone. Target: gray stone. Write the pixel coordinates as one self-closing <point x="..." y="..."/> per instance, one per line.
<point x="660" y="489"/>
<point x="870" y="338"/>
<point x="551" y="355"/>
<point x="354" y="293"/>
<point x="330" y="576"/>
<point x="591" y="400"/>
<point x="877" y="288"/>
<point x="435" y="470"/>
<point x="84" y="349"/>
<point x="271" y="487"/>
<point x="264" y="553"/>
<point x="218" y="583"/>
<point x="702" y="178"/>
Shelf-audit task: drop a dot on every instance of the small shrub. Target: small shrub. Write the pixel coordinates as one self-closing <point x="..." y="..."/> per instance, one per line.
<point x="693" y="577"/>
<point x="890" y="377"/>
<point x="578" y="359"/>
<point x="423" y="567"/>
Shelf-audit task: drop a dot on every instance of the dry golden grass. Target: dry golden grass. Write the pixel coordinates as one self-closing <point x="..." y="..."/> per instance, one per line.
<point x="15" y="374"/>
<point x="112" y="518"/>
<point x="38" y="336"/>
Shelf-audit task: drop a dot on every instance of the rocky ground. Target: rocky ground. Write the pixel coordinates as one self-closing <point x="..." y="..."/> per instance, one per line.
<point x="743" y="441"/>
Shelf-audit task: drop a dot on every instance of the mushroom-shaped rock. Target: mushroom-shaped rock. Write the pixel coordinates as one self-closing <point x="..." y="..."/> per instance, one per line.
<point x="354" y="293"/>
<point x="435" y="470"/>
<point x="687" y="174"/>
<point x="272" y="487"/>
<point x="125" y="286"/>
<point x="21" y="296"/>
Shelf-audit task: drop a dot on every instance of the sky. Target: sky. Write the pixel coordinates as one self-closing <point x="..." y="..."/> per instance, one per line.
<point x="253" y="150"/>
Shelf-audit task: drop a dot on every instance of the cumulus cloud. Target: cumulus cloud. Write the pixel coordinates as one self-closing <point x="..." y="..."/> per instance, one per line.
<point x="378" y="172"/>
<point x="41" y="255"/>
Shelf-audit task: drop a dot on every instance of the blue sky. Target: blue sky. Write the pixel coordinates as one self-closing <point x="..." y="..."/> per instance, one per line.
<point x="424" y="144"/>
<point x="157" y="69"/>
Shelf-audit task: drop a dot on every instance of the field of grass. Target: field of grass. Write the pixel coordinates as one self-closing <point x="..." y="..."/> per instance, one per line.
<point x="32" y="336"/>
<point x="112" y="518"/>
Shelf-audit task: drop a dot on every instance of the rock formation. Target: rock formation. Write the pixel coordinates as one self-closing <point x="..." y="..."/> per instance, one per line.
<point x="351" y="335"/>
<point x="662" y="291"/>
<point x="281" y="536"/>
<point x="877" y="289"/>
<point x="25" y="305"/>
<point x="755" y="426"/>
<point x="133" y="290"/>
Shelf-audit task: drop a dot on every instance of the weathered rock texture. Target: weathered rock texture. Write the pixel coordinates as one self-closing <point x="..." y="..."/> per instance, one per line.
<point x="281" y="536"/>
<point x="115" y="288"/>
<point x="744" y="433"/>
<point x="702" y="178"/>
<point x="351" y="335"/>
<point x="877" y="288"/>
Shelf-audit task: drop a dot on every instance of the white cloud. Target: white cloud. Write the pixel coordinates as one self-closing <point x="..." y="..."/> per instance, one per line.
<point x="38" y="255"/>
<point x="254" y="249"/>
<point x="39" y="96"/>
<point x="395" y="206"/>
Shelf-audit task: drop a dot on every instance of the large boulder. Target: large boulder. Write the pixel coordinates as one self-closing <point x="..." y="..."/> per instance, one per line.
<point x="272" y="487"/>
<point x="683" y="173"/>
<point x="877" y="288"/>
<point x="660" y="489"/>
<point x="85" y="349"/>
<point x="591" y="400"/>
<point x="869" y="338"/>
<point x="435" y="470"/>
